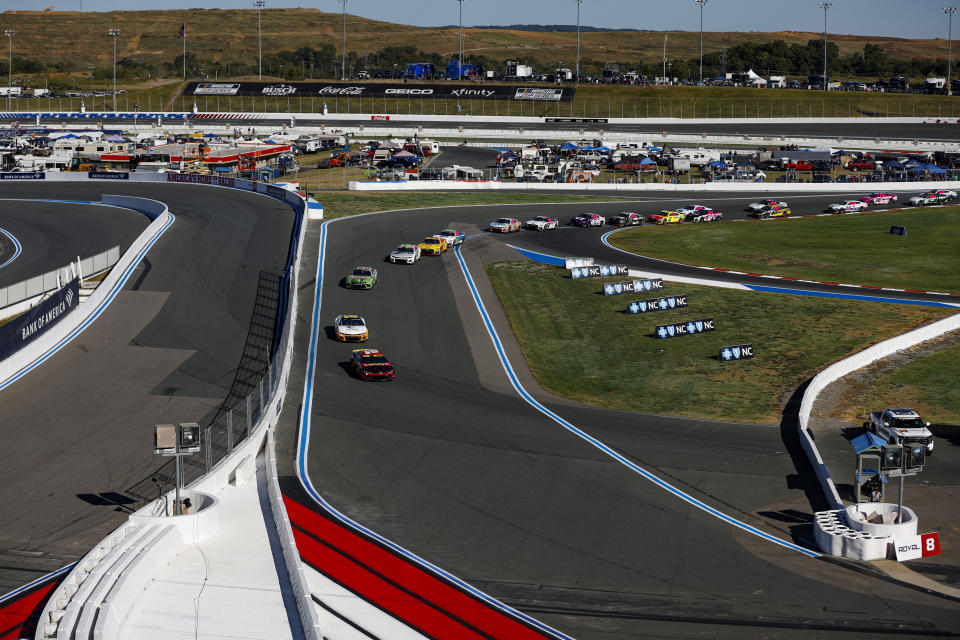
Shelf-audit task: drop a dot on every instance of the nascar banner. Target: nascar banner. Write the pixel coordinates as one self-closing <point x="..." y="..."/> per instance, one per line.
<point x="379" y="90"/>
<point x="658" y="304"/>
<point x="634" y="286"/>
<point x="599" y="271"/>
<point x="735" y="352"/>
<point x="688" y="328"/>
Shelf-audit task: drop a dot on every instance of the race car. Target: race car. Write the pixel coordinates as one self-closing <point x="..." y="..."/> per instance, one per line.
<point x="542" y="223"/>
<point x="692" y="208"/>
<point x="350" y="329"/>
<point x="432" y="246"/>
<point x="452" y="236"/>
<point x="588" y="220"/>
<point x="361" y="278"/>
<point x="945" y="194"/>
<point x="504" y="225"/>
<point x="849" y="206"/>
<point x="705" y="216"/>
<point x="667" y="217"/>
<point x="405" y="253"/>
<point x="757" y="207"/>
<point x="371" y="364"/>
<point x="774" y="211"/>
<point x="880" y="197"/>
<point x="626" y="219"/>
<point x="921" y="200"/>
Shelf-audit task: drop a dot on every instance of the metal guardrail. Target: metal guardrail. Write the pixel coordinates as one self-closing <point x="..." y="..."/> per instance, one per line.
<point x="53" y="280"/>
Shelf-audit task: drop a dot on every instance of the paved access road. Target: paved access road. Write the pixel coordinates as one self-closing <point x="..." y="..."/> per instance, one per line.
<point x="53" y="234"/>
<point x="77" y="432"/>
<point x="450" y="463"/>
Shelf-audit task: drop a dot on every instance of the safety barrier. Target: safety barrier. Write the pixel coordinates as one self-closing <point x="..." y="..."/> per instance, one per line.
<point x="17" y="297"/>
<point x="848" y="365"/>
<point x="230" y="445"/>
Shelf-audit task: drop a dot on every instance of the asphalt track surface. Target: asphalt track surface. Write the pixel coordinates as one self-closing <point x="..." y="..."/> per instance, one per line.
<point x="54" y="234"/>
<point x="77" y="431"/>
<point x="450" y="463"/>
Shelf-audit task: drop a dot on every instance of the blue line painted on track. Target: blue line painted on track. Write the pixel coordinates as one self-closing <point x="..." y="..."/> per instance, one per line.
<point x="16" y="244"/>
<point x="501" y="353"/>
<point x="536" y="256"/>
<point x="35" y="583"/>
<point x="849" y="296"/>
<point x="96" y="314"/>
<point x="303" y="447"/>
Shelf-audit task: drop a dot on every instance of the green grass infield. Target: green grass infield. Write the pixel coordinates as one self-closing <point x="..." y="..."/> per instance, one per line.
<point x="582" y="345"/>
<point x="852" y="249"/>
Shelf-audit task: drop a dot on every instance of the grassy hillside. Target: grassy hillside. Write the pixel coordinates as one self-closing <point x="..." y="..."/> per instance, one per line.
<point x="226" y="36"/>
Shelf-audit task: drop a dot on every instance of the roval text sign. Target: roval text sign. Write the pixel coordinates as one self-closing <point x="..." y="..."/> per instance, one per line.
<point x="915" y="547"/>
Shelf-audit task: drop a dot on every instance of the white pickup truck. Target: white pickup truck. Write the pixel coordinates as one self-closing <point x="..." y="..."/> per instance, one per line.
<point x="899" y="426"/>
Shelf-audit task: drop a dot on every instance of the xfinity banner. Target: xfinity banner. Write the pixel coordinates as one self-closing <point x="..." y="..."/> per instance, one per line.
<point x="23" y="330"/>
<point x="378" y="90"/>
<point x="658" y="304"/>
<point x="599" y="271"/>
<point x="635" y="286"/>
<point x="684" y="328"/>
<point x="735" y="352"/>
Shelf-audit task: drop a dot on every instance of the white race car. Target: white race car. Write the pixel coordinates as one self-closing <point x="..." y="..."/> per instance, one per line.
<point x="405" y="253"/>
<point x="693" y="209"/>
<point x="452" y="236"/>
<point x="350" y="328"/>
<point x="757" y="207"/>
<point x="850" y="206"/>
<point x="504" y="225"/>
<point x="542" y="223"/>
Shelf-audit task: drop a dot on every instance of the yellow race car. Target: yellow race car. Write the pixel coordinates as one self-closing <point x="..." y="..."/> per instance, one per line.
<point x="667" y="217"/>
<point x="432" y="246"/>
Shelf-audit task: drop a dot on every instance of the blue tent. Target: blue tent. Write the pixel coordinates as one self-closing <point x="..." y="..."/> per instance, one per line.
<point x="717" y="163"/>
<point x="588" y="148"/>
<point x="913" y="162"/>
<point x="932" y="168"/>
<point x="647" y="161"/>
<point x="603" y="147"/>
<point x="652" y="148"/>
<point x="892" y="164"/>
<point x="567" y="146"/>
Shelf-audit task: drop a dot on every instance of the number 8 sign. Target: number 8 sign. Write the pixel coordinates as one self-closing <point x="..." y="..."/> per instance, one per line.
<point x="917" y="546"/>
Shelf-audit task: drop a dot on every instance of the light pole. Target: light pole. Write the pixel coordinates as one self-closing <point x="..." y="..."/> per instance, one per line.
<point x="10" y="33"/>
<point x="460" y="54"/>
<point x="825" y="6"/>
<point x="578" y="3"/>
<point x="259" y="4"/>
<point x="700" y="3"/>
<point x="343" y="61"/>
<point x="114" y="32"/>
<point x="664" y="79"/>
<point x="949" y="11"/>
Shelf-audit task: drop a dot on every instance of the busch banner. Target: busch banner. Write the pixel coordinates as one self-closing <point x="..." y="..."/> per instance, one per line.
<point x="599" y="271"/>
<point x="24" y="329"/>
<point x="690" y="327"/>
<point x="658" y="304"/>
<point x="735" y="352"/>
<point x="634" y="286"/>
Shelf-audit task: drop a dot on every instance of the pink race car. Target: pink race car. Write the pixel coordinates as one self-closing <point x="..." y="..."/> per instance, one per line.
<point x="879" y="198"/>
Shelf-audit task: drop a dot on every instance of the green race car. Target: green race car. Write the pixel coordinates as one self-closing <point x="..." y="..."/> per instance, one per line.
<point x="361" y="278"/>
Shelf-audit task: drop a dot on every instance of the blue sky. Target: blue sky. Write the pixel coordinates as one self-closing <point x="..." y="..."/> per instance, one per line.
<point x="901" y="18"/>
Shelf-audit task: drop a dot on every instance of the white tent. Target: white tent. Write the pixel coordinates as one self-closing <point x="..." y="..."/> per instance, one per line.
<point x="756" y="80"/>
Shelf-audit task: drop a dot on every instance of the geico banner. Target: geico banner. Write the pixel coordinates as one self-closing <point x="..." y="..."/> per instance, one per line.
<point x="735" y="352"/>
<point x="379" y="90"/>
<point x="658" y="304"/>
<point x="633" y="286"/>
<point x="915" y="547"/>
<point x="688" y="328"/>
<point x="24" y="329"/>
<point x="599" y="271"/>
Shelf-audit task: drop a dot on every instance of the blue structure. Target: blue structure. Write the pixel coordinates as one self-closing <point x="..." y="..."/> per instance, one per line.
<point x="464" y="71"/>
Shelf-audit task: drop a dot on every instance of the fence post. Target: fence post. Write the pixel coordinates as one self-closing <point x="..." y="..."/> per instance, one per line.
<point x="230" y="432"/>
<point x="263" y="400"/>
<point x="249" y="418"/>
<point x="208" y="454"/>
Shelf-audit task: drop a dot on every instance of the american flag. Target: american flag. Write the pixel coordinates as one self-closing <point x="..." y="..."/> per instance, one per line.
<point x="183" y="30"/>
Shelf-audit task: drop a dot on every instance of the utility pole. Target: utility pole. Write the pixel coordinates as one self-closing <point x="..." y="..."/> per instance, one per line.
<point x="825" y="6"/>
<point x="343" y="63"/>
<point x="700" y="3"/>
<point x="114" y="33"/>
<point x="259" y="4"/>
<point x="578" y="3"/>
<point x="949" y="11"/>
<point x="10" y="33"/>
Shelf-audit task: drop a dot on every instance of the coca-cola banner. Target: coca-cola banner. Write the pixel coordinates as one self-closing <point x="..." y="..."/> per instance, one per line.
<point x="379" y="90"/>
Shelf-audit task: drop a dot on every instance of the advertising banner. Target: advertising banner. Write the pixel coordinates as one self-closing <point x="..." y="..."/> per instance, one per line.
<point x="578" y="120"/>
<point x="570" y="263"/>
<point x="658" y="304"/>
<point x="108" y="175"/>
<point x="688" y="328"/>
<point x="197" y="178"/>
<point x="735" y="352"/>
<point x="633" y="286"/>
<point x="379" y="90"/>
<point x="915" y="547"/>
<point x="24" y="329"/>
<point x="599" y="271"/>
<point x="26" y="175"/>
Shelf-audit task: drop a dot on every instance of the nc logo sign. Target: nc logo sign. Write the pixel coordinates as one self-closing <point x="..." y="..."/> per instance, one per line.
<point x="735" y="352"/>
